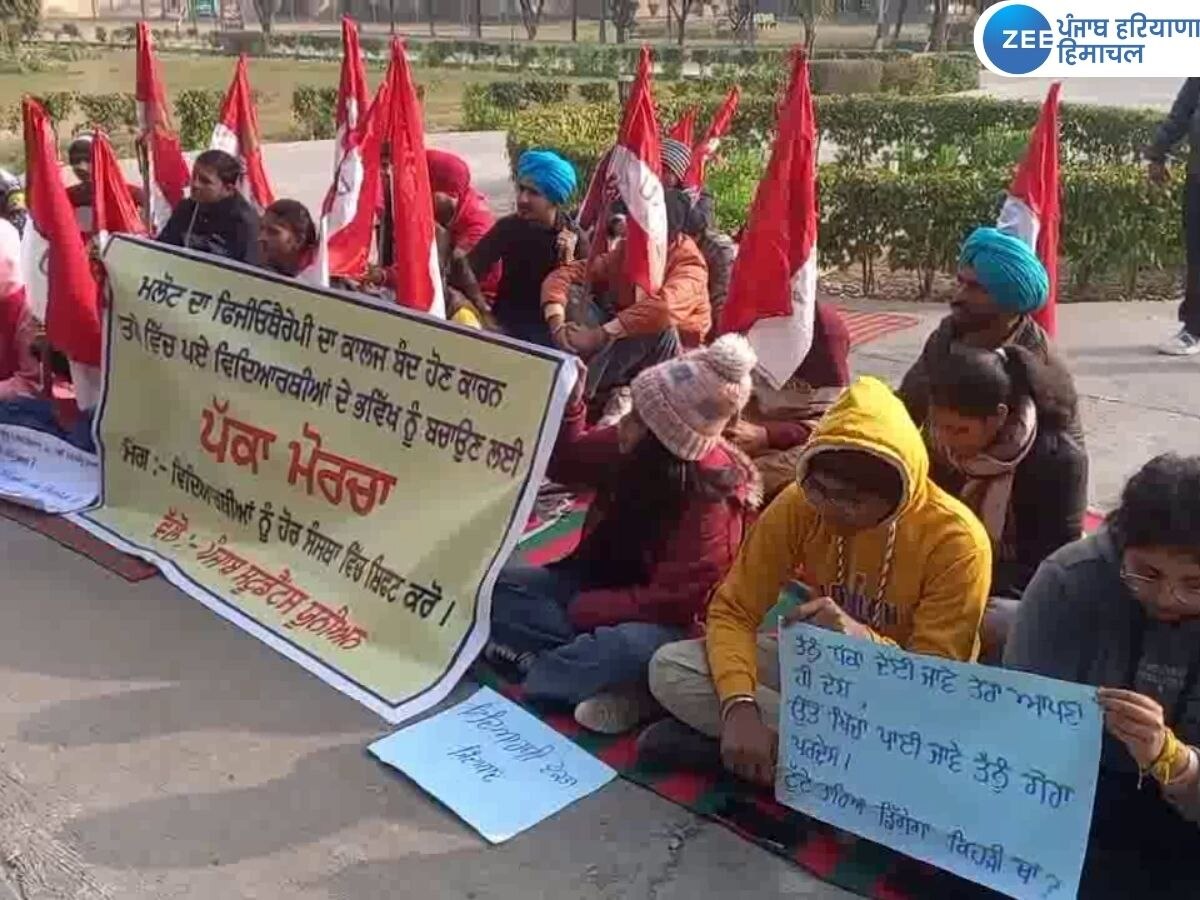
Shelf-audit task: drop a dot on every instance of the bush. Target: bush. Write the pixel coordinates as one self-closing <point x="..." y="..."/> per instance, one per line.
<point x="111" y="112"/>
<point x="196" y="111"/>
<point x="101" y="34"/>
<point x="506" y="95"/>
<point x="315" y="110"/>
<point x="541" y="91"/>
<point x="598" y="92"/>
<point x="58" y="105"/>
<point x="846" y="76"/>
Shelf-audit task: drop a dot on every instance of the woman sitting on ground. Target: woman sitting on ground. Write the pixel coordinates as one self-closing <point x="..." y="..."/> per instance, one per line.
<point x="287" y="242"/>
<point x="671" y="508"/>
<point x="460" y="208"/>
<point x="216" y="218"/>
<point x="1121" y="610"/>
<point x="1000" y="429"/>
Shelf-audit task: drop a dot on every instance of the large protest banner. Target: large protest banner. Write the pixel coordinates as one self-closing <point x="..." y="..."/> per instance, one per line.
<point x="343" y="480"/>
<point x="988" y="773"/>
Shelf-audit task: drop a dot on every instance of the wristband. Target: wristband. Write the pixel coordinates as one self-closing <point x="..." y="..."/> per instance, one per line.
<point x="736" y="700"/>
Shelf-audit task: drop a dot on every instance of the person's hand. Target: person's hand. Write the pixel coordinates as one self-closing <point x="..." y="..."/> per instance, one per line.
<point x="748" y="746"/>
<point x="751" y="439"/>
<point x="558" y="336"/>
<point x="375" y="276"/>
<point x="1157" y="172"/>
<point x="1136" y="721"/>
<point x="581" y="374"/>
<point x="825" y="613"/>
<point x="587" y="342"/>
<point x="565" y="243"/>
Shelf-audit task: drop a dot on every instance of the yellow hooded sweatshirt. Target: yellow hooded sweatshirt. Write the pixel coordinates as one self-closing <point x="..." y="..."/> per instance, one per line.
<point x="925" y="593"/>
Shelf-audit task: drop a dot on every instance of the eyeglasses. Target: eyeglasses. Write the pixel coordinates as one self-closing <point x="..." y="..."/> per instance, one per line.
<point x="1146" y="586"/>
<point x="821" y="493"/>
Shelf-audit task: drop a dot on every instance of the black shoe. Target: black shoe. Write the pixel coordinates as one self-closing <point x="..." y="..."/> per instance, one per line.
<point x="669" y="745"/>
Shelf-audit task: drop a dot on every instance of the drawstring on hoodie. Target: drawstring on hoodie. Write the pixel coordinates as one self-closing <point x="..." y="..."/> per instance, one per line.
<point x="885" y="572"/>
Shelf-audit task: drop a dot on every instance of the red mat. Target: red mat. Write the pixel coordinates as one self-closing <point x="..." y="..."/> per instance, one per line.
<point x="865" y="327"/>
<point x="71" y="536"/>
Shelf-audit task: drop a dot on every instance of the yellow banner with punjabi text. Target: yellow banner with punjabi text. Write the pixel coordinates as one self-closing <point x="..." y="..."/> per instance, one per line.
<point x="342" y="479"/>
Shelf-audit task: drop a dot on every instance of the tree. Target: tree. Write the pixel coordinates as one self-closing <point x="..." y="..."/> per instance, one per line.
<point x="432" y="19"/>
<point x="880" y="24"/>
<point x="477" y="18"/>
<point x="680" y="9"/>
<point x="624" y="15"/>
<point x="740" y="14"/>
<point x="810" y="13"/>
<point x="531" y="16"/>
<point x="901" y="12"/>
<point x="265" y="10"/>
<point x="939" y="26"/>
<point x="18" y="18"/>
<point x="574" y="20"/>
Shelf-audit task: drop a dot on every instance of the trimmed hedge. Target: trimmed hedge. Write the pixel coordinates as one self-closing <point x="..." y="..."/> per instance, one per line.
<point x="1114" y="220"/>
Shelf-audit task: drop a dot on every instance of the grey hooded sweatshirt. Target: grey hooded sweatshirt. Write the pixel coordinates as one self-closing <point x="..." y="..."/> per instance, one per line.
<point x="1079" y="622"/>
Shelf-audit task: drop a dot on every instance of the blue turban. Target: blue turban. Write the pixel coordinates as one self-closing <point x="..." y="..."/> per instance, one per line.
<point x="552" y="175"/>
<point x="1008" y="269"/>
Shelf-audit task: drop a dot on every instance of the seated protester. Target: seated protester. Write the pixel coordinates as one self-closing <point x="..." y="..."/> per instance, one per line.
<point x="20" y="368"/>
<point x="1121" y="610"/>
<point x="1001" y="283"/>
<point x="12" y="200"/>
<point x="287" y="241"/>
<point x="676" y="160"/>
<point x="642" y="330"/>
<point x="530" y="245"/>
<point x="671" y="507"/>
<point x="778" y="421"/>
<point x="886" y="554"/>
<point x="215" y="218"/>
<point x="1000" y="419"/>
<point x="79" y="156"/>
<point x="460" y="209"/>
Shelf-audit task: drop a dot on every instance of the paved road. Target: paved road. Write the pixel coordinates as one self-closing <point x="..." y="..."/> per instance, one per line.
<point x="1156" y="93"/>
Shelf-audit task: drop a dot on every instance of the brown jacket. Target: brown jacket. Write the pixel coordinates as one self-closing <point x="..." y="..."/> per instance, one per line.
<point x="682" y="301"/>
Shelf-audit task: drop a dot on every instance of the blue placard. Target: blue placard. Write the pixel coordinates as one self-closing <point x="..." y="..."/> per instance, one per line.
<point x="496" y="766"/>
<point x="988" y="773"/>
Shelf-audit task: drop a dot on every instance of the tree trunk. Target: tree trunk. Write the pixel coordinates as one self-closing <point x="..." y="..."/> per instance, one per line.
<point x="685" y="7"/>
<point x="937" y="28"/>
<point x="574" y="21"/>
<point x="880" y="25"/>
<point x="604" y="21"/>
<point x="145" y="10"/>
<point x="432" y="19"/>
<point x="477" y="19"/>
<point x="392" y="16"/>
<point x="901" y="12"/>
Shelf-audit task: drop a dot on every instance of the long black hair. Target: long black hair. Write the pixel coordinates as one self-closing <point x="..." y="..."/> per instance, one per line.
<point x="974" y="382"/>
<point x="641" y="504"/>
<point x="296" y="217"/>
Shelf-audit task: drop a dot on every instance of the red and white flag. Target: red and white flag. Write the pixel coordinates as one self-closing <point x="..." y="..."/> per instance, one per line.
<point x="166" y="170"/>
<point x="773" y="287"/>
<point x="62" y="291"/>
<point x="1032" y="208"/>
<point x="348" y="214"/>
<point x="236" y="133"/>
<point x="113" y="209"/>
<point x="635" y="163"/>
<point x="684" y="130"/>
<point x="703" y="153"/>
<point x="601" y="191"/>
<point x="418" y="277"/>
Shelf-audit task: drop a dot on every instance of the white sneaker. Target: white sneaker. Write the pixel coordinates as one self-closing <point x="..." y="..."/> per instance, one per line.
<point x="615" y="712"/>
<point x="620" y="402"/>
<point x="1183" y="344"/>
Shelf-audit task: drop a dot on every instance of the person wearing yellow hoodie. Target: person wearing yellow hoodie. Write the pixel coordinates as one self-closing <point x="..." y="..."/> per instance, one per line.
<point x="885" y="554"/>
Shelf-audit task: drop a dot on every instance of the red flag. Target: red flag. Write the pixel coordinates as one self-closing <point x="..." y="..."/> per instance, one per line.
<point x="684" y="130"/>
<point x="113" y="210"/>
<point x="600" y="192"/>
<point x="60" y="280"/>
<point x="635" y="163"/>
<point x="166" y="173"/>
<point x="1031" y="210"/>
<point x="418" y="279"/>
<point x="717" y="129"/>
<point x="236" y="133"/>
<point x="773" y="288"/>
<point x="351" y="203"/>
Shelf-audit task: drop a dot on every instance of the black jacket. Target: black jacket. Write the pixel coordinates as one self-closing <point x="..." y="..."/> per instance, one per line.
<point x="227" y="228"/>
<point x="1048" y="506"/>
<point x="1183" y="120"/>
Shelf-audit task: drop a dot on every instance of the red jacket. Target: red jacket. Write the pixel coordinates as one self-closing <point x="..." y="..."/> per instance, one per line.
<point x="693" y="559"/>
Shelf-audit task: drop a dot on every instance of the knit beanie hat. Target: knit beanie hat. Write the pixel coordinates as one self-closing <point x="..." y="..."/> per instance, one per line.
<point x="676" y="157"/>
<point x="688" y="401"/>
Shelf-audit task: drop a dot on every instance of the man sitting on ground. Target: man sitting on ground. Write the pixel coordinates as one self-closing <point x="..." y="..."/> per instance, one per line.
<point x="1001" y="284"/>
<point x="885" y="555"/>
<point x="643" y="329"/>
<point x="778" y="421"/>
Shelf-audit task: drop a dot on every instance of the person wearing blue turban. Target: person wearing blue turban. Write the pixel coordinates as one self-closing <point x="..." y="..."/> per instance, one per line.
<point x="528" y="246"/>
<point x="1001" y="284"/>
